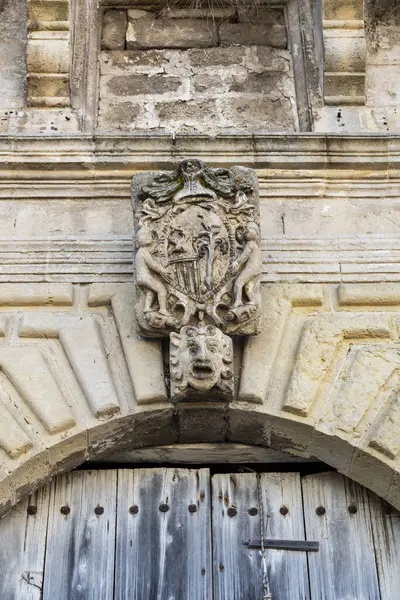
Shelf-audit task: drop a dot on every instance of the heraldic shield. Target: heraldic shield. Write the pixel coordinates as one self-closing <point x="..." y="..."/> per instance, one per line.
<point x="197" y="250"/>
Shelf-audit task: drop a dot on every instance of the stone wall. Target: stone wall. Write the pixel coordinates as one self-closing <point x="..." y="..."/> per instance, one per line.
<point x="367" y="51"/>
<point x="13" y="28"/>
<point x="188" y="70"/>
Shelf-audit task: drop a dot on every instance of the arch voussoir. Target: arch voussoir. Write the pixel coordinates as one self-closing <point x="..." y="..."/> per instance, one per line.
<point x="320" y="381"/>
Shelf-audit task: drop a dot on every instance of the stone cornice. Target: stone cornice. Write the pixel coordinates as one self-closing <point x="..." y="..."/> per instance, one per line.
<point x="78" y="156"/>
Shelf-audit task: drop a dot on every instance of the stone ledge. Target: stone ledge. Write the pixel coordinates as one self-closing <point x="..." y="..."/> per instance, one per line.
<point x="129" y="152"/>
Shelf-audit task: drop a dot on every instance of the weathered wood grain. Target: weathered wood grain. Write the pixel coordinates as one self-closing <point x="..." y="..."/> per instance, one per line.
<point x="344" y="568"/>
<point x="237" y="568"/>
<point x="163" y="554"/>
<point x="22" y="548"/>
<point x="287" y="570"/>
<point x="80" y="552"/>
<point x="386" y="530"/>
<point x="193" y="548"/>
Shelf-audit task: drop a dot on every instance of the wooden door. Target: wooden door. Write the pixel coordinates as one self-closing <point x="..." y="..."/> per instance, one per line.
<point x="180" y="534"/>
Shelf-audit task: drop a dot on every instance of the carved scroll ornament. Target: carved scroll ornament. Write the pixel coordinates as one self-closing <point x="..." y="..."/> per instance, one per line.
<point x="198" y="265"/>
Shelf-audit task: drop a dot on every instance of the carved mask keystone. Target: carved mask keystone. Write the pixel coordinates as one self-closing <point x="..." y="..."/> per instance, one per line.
<point x="198" y="269"/>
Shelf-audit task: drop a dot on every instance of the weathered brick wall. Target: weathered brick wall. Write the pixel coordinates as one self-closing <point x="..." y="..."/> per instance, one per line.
<point x="188" y="70"/>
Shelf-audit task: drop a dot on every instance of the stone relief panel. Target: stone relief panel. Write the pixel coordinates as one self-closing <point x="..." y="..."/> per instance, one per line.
<point x="198" y="253"/>
<point x="201" y="360"/>
<point x="198" y="267"/>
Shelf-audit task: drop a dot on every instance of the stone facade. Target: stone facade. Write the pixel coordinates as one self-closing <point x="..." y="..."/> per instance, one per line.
<point x="321" y="379"/>
<point x="195" y="71"/>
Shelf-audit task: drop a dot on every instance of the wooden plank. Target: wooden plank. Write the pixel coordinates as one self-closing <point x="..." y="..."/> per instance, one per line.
<point x="386" y="531"/>
<point x="287" y="571"/>
<point x="345" y="565"/>
<point x="81" y="545"/>
<point x="163" y="555"/>
<point x="237" y="568"/>
<point x="22" y="547"/>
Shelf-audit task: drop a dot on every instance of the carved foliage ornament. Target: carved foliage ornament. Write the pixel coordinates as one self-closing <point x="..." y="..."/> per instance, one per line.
<point x="198" y="265"/>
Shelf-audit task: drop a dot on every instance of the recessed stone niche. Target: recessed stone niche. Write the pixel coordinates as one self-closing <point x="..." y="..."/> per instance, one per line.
<point x="181" y="69"/>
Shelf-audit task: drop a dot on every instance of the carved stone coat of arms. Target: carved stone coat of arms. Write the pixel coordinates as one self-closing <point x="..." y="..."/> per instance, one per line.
<point x="198" y="255"/>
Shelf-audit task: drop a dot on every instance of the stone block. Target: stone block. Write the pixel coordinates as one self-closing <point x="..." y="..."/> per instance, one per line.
<point x="119" y="115"/>
<point x="254" y="34"/>
<point x="30" y="475"/>
<point x="369" y="294"/>
<point x="136" y="13"/>
<point x="247" y="426"/>
<point x="115" y="23"/>
<point x="43" y="57"/>
<point x="393" y="496"/>
<point x="47" y="12"/>
<point x="364" y="468"/>
<point x="137" y="85"/>
<point x="210" y="83"/>
<point x="343" y="10"/>
<point x="384" y="48"/>
<point x="127" y="60"/>
<point x="260" y="14"/>
<point x="7" y="494"/>
<point x="383" y="85"/>
<point x="218" y="56"/>
<point x="13" y="42"/>
<point x="211" y="12"/>
<point x="199" y="424"/>
<point x="344" y="88"/>
<point x="48" y="90"/>
<point x="334" y="450"/>
<point x="345" y="53"/>
<point x="43" y="121"/>
<point x="171" y="33"/>
<point x="68" y="454"/>
<point x="255" y="83"/>
<point x="271" y="59"/>
<point x="201" y="115"/>
<point x="260" y="114"/>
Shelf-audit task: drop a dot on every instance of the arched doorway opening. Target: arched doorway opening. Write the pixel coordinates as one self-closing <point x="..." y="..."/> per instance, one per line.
<point x="145" y="531"/>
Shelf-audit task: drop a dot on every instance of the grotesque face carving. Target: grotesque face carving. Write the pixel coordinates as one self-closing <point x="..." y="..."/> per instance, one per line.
<point x="201" y="360"/>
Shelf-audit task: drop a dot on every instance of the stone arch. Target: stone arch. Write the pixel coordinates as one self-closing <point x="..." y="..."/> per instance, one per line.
<point x="76" y="383"/>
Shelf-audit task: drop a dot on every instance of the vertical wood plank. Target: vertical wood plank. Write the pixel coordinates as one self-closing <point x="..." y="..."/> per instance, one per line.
<point x="386" y="531"/>
<point x="345" y="565"/>
<point x="81" y="544"/>
<point x="287" y="571"/>
<point x="163" y="554"/>
<point x="22" y="548"/>
<point x="237" y="569"/>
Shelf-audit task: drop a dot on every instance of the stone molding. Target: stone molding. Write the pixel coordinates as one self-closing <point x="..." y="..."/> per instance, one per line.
<point x="345" y="52"/>
<point x="355" y="259"/>
<point x="321" y="380"/>
<point x="48" y="53"/>
<point x="125" y="154"/>
<point x="317" y="176"/>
